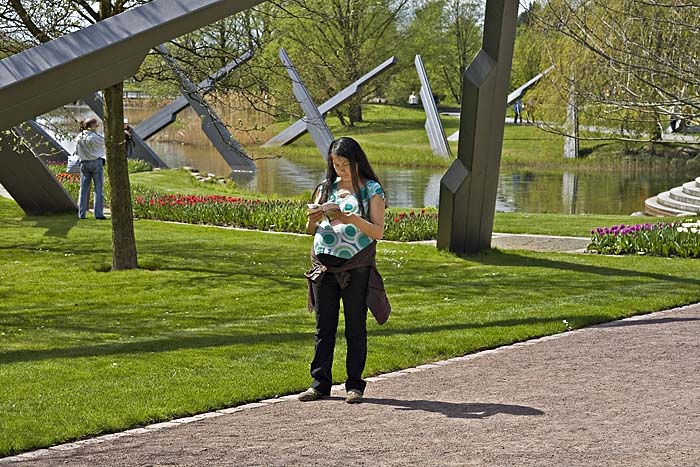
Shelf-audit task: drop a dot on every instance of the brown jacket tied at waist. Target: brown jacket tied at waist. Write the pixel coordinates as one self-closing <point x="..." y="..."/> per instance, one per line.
<point x="376" y="300"/>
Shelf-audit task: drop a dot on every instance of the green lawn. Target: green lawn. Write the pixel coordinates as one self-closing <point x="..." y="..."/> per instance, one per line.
<point x="217" y="317"/>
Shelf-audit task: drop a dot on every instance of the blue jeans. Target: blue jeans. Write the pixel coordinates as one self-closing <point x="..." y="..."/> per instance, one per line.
<point x="91" y="171"/>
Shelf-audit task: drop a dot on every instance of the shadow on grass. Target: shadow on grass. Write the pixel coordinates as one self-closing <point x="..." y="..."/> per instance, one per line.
<point x="151" y="346"/>
<point x="501" y="258"/>
<point x="56" y="225"/>
<point x="181" y="342"/>
<point x="473" y="410"/>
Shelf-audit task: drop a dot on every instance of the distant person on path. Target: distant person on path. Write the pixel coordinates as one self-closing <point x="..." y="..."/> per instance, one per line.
<point x="129" y="139"/>
<point x="90" y="147"/>
<point x="518" y="109"/>
<point x="344" y="267"/>
<point x="413" y="99"/>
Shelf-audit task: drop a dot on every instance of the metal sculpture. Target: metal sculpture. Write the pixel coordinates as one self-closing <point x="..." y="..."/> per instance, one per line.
<point x="36" y="191"/>
<point x="315" y="124"/>
<point x="213" y="127"/>
<point x="469" y="187"/>
<point x="141" y="150"/>
<point x="41" y="142"/>
<point x="167" y="115"/>
<point x="433" y="124"/>
<point x="513" y="96"/>
<point x="66" y="69"/>
<point x="297" y="129"/>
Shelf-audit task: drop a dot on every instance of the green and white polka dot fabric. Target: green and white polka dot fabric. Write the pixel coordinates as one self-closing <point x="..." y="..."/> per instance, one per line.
<point x="345" y="240"/>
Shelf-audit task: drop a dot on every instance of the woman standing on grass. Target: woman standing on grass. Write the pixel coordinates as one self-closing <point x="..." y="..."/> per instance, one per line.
<point x="344" y="267"/>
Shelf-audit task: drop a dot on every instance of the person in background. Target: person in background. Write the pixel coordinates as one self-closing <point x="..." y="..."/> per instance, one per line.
<point x="90" y="147"/>
<point x="344" y="266"/>
<point x="413" y="99"/>
<point x="518" y="110"/>
<point x="129" y="139"/>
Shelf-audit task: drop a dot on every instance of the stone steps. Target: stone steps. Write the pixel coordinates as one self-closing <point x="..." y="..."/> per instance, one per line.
<point x="679" y="201"/>
<point x="653" y="207"/>
<point x="682" y="196"/>
<point x="692" y="188"/>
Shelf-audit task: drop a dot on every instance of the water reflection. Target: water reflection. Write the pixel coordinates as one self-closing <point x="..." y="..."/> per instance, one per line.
<point x="607" y="192"/>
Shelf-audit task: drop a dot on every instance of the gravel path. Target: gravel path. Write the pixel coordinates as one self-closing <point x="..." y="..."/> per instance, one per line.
<point x="623" y="394"/>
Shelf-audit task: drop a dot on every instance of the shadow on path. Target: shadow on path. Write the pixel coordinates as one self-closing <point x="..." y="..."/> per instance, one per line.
<point x="457" y="409"/>
<point x="640" y="322"/>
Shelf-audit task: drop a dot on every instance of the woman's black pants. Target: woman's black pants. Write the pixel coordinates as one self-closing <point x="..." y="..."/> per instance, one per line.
<point x="327" y="295"/>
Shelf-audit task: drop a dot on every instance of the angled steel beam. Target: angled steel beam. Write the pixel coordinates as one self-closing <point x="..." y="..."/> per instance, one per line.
<point x="518" y="93"/>
<point x="315" y="124"/>
<point x="41" y="142"/>
<point x="64" y="70"/>
<point x="36" y="191"/>
<point x="469" y="187"/>
<point x="213" y="127"/>
<point x="141" y="149"/>
<point x="298" y="129"/>
<point x="167" y="115"/>
<point x="513" y="96"/>
<point x="433" y="124"/>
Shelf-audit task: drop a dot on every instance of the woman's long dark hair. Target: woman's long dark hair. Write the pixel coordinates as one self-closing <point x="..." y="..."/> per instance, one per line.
<point x="359" y="165"/>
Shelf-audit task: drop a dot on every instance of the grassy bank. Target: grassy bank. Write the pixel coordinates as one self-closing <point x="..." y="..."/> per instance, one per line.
<point x="396" y="136"/>
<point x="217" y="317"/>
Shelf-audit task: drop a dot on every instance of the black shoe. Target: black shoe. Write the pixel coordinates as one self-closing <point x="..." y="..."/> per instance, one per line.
<point x="103" y="218"/>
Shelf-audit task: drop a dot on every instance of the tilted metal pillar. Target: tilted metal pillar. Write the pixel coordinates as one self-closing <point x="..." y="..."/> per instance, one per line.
<point x="468" y="188"/>
<point x="70" y="67"/>
<point x="42" y="144"/>
<point x="433" y="124"/>
<point x="64" y="70"/>
<point x="167" y="115"/>
<point x="29" y="181"/>
<point x="297" y="129"/>
<point x="213" y="127"/>
<point x="315" y="124"/>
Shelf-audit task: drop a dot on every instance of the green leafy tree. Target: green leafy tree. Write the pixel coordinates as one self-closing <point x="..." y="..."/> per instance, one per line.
<point x="334" y="42"/>
<point x="632" y="64"/>
<point x="447" y="35"/>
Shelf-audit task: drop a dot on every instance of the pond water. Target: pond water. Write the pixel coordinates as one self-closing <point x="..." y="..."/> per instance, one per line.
<point x="518" y="190"/>
<point x="604" y="192"/>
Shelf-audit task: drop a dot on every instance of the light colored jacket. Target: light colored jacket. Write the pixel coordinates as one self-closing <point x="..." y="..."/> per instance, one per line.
<point x="90" y="146"/>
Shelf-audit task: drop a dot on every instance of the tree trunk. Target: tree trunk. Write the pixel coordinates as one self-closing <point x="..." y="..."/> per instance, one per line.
<point x="355" y="113"/>
<point x="123" y="239"/>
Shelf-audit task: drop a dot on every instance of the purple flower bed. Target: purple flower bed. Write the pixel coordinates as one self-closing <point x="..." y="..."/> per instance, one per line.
<point x="680" y="238"/>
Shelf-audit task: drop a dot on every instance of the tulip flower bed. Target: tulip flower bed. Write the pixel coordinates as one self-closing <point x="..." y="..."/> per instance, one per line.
<point x="276" y="215"/>
<point x="411" y="226"/>
<point x="281" y="216"/>
<point x="662" y="239"/>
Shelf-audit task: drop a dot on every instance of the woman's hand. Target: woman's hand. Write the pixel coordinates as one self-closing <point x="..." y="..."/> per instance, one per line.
<point x="315" y="217"/>
<point x="312" y="220"/>
<point x="343" y="217"/>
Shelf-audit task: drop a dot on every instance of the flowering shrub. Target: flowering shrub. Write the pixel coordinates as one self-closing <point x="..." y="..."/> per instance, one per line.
<point x="661" y="239"/>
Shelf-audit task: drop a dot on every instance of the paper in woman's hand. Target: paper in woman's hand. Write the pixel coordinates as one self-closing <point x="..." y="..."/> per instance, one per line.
<point x="328" y="209"/>
<point x="325" y="207"/>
